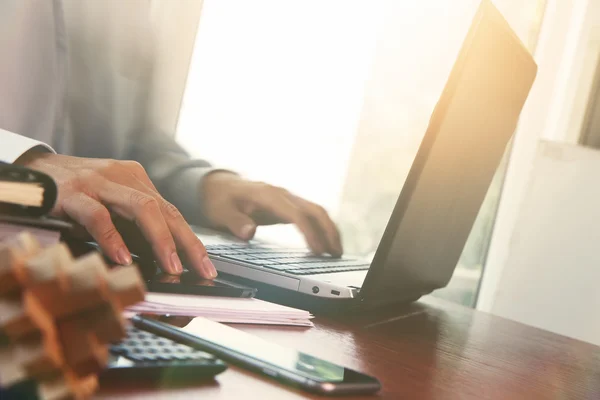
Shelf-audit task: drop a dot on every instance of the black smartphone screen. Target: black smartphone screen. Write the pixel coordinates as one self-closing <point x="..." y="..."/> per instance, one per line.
<point x="282" y="363"/>
<point x="190" y="283"/>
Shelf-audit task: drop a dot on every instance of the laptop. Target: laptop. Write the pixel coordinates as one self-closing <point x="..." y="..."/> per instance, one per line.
<point x="462" y="148"/>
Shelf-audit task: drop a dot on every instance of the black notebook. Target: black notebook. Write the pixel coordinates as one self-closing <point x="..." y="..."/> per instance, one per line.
<point x="26" y="198"/>
<point x="25" y="192"/>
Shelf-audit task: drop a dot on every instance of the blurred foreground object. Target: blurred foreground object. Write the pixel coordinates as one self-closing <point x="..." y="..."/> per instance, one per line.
<point x="57" y="316"/>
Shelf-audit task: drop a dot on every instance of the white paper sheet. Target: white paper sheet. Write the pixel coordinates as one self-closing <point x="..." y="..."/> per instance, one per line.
<point x="222" y="309"/>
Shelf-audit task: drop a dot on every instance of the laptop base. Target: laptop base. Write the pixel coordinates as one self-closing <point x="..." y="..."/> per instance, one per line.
<point x="314" y="304"/>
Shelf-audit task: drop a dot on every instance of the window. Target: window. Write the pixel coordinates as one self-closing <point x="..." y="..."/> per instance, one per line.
<point x="331" y="99"/>
<point x="590" y="134"/>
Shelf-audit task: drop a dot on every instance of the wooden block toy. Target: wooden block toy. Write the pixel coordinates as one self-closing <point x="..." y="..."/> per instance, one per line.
<point x="106" y="321"/>
<point x="26" y="242"/>
<point x="12" y="256"/>
<point x="67" y="286"/>
<point x="10" y="371"/>
<point x="39" y="355"/>
<point x="68" y="387"/>
<point x="86" y="386"/>
<point x="44" y="271"/>
<point x="57" y="317"/>
<point x="10" y="269"/>
<point x="127" y="285"/>
<point x="84" y="353"/>
<point x="23" y="314"/>
<point x="86" y="284"/>
<point x="59" y="387"/>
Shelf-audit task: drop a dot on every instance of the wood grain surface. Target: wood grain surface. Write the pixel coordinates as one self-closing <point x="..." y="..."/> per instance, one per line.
<point x="428" y="350"/>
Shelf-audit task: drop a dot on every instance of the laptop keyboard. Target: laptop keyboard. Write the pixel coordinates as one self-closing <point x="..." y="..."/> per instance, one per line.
<point x="291" y="261"/>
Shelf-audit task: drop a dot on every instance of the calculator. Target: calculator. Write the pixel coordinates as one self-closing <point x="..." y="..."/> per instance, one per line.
<point x="144" y="355"/>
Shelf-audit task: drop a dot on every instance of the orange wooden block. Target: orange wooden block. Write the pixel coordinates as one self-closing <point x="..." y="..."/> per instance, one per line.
<point x="45" y="276"/>
<point x="82" y="286"/>
<point x="13" y="254"/>
<point x="58" y="314"/>
<point x="85" y="272"/>
<point x="106" y="321"/>
<point x="67" y="387"/>
<point x="58" y="388"/>
<point x="11" y="372"/>
<point x="87" y="386"/>
<point x="44" y="272"/>
<point x="83" y="352"/>
<point x="23" y="315"/>
<point x="127" y="285"/>
<point x="11" y="271"/>
<point x="26" y="242"/>
<point x="39" y="355"/>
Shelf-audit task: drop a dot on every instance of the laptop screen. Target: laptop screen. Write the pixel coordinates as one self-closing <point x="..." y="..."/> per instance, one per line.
<point x="456" y="162"/>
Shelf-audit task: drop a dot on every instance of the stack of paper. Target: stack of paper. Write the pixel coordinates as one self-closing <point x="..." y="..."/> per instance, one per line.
<point x="222" y="309"/>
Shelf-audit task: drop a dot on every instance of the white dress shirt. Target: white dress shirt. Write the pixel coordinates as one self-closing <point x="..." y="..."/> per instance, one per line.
<point x="32" y="75"/>
<point x="107" y="50"/>
<point x="14" y="146"/>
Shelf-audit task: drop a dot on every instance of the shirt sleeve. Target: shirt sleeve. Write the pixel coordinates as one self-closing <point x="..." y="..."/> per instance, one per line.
<point x="13" y="146"/>
<point x="184" y="190"/>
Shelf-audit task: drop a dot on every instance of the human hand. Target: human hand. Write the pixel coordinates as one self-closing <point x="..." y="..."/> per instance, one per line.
<point x="90" y="189"/>
<point x="230" y="202"/>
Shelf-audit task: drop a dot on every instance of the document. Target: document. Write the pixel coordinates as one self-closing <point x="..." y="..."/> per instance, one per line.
<point x="222" y="309"/>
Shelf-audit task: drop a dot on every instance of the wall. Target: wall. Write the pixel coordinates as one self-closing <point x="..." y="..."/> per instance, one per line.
<point x="548" y="113"/>
<point x="552" y="272"/>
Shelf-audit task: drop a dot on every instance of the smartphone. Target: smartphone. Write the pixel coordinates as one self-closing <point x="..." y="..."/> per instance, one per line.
<point x="187" y="283"/>
<point x="286" y="365"/>
<point x="190" y="283"/>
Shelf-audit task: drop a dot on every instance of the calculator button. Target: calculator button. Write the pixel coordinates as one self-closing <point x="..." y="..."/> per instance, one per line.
<point x="135" y="357"/>
<point x="118" y="349"/>
<point x="197" y="356"/>
<point x="141" y="346"/>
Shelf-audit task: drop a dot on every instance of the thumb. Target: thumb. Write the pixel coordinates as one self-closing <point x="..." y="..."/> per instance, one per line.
<point x="241" y="225"/>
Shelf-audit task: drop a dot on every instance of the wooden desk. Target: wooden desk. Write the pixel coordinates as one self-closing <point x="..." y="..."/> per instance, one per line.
<point x="429" y="350"/>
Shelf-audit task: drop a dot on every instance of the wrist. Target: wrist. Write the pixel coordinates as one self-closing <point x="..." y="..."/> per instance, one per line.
<point x="217" y="176"/>
<point x="212" y="189"/>
<point x="30" y="157"/>
<point x="215" y="183"/>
